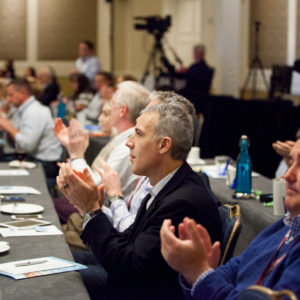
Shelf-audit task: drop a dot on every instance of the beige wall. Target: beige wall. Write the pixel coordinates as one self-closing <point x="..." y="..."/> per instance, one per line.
<point x="62" y="24"/>
<point x="13" y="29"/>
<point x="132" y="46"/>
<point x="273" y="15"/>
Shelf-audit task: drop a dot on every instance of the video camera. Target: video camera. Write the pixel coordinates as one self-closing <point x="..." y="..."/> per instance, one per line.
<point x="154" y="24"/>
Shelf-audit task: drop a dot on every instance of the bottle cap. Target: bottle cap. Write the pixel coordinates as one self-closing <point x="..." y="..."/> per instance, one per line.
<point x="243" y="138"/>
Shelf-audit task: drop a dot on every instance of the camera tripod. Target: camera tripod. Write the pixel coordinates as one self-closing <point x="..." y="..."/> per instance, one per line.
<point x="256" y="65"/>
<point x="157" y="62"/>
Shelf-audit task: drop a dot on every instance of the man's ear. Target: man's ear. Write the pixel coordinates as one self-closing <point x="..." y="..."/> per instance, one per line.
<point x="123" y="110"/>
<point x="165" y="145"/>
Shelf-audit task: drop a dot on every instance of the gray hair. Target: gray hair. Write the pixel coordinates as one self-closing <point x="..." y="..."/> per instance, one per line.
<point x="170" y="97"/>
<point x="134" y="96"/>
<point x="48" y="72"/>
<point x="175" y="123"/>
<point x="200" y="48"/>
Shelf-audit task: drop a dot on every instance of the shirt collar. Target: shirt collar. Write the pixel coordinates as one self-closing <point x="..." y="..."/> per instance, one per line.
<point x="160" y="185"/>
<point x="293" y="223"/>
<point x="27" y="103"/>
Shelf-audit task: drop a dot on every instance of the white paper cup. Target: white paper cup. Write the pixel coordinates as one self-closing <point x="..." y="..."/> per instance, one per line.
<point x="278" y="196"/>
<point x="194" y="155"/>
<point x="231" y="173"/>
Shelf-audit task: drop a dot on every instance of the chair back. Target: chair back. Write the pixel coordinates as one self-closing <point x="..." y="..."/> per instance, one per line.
<point x="231" y="227"/>
<point x="258" y="292"/>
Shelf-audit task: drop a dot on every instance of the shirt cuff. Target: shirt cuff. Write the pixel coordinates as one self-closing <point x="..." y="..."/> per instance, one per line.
<point x="190" y="289"/>
<point x="200" y="279"/>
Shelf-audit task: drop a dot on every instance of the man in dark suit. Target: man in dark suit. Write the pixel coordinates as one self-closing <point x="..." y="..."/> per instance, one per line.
<point x="132" y="259"/>
<point x="198" y="79"/>
<point x="51" y="88"/>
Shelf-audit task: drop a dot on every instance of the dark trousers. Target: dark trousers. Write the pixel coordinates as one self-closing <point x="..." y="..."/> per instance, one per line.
<point x="94" y="277"/>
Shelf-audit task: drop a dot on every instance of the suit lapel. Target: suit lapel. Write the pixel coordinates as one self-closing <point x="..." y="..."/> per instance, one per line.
<point x="176" y="180"/>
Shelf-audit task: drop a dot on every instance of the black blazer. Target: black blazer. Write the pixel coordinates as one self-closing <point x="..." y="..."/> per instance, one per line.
<point x="50" y="93"/>
<point x="132" y="259"/>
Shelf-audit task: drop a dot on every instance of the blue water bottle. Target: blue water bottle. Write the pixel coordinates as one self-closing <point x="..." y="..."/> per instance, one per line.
<point x="61" y="110"/>
<point x="243" y="168"/>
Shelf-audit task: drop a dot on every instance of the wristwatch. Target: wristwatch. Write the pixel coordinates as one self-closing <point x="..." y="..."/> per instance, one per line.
<point x="114" y="198"/>
<point x="89" y="215"/>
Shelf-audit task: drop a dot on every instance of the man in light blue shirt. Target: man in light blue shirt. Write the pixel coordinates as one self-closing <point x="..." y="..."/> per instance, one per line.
<point x="30" y="128"/>
<point x="87" y="63"/>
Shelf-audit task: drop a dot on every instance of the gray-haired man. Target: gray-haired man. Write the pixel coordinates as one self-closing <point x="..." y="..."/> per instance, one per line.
<point x="132" y="261"/>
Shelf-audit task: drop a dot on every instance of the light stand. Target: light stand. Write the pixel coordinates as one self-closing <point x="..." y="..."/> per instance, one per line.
<point x="256" y="65"/>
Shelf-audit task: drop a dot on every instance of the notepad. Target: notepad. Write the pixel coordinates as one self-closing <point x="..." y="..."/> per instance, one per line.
<point x="16" y="172"/>
<point x="18" y="189"/>
<point x="37" y="231"/>
<point x="41" y="266"/>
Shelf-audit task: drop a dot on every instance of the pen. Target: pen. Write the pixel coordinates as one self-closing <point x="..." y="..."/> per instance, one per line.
<point x="226" y="167"/>
<point x="29" y="263"/>
<point x="12" y="199"/>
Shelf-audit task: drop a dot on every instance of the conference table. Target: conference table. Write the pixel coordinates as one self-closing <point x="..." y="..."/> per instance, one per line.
<point x="255" y="216"/>
<point x="65" y="286"/>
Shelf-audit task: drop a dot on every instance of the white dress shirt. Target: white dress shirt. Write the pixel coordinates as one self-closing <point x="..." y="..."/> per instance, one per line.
<point x="159" y="186"/>
<point x="93" y="110"/>
<point x="89" y="66"/>
<point x="36" y="136"/>
<point x="122" y="213"/>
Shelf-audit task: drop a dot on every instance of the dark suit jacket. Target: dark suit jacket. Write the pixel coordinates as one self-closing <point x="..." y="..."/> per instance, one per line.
<point x="132" y="259"/>
<point x="199" y="77"/>
<point x="50" y="93"/>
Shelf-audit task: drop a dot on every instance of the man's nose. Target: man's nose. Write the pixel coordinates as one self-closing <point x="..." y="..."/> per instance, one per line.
<point x="290" y="174"/>
<point x="129" y="143"/>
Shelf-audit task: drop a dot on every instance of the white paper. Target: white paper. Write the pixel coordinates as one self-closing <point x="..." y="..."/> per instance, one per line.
<point x="18" y="189"/>
<point x="15" y="172"/>
<point x="212" y="171"/>
<point x="23" y="164"/>
<point x="49" y="264"/>
<point x="46" y="230"/>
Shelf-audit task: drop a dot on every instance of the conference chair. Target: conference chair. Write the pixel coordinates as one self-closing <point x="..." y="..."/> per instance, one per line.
<point x="231" y="227"/>
<point x="257" y="292"/>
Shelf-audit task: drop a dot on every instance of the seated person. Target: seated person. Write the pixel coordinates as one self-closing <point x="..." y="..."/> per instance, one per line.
<point x="8" y="71"/>
<point x="82" y="94"/>
<point x="131" y="264"/>
<point x="122" y="213"/>
<point x="30" y="74"/>
<point x="271" y="260"/>
<point x="30" y="128"/>
<point x="104" y="85"/>
<point x="51" y="88"/>
<point x="127" y="103"/>
<point x="62" y="205"/>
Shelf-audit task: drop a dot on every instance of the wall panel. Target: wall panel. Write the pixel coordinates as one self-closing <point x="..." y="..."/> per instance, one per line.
<point x="62" y="24"/>
<point x="13" y="29"/>
<point x="273" y="16"/>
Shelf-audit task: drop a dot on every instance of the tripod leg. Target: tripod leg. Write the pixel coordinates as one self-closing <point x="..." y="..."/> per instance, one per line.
<point x="254" y="83"/>
<point x="151" y="60"/>
<point x="250" y="72"/>
<point x="246" y="83"/>
<point x="263" y="74"/>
